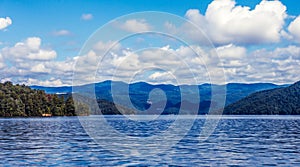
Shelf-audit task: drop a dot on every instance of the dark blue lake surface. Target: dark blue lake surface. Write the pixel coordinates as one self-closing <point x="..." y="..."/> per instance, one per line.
<point x="237" y="140"/>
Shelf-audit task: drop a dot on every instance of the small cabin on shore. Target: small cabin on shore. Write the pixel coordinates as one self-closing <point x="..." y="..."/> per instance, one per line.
<point x="46" y="115"/>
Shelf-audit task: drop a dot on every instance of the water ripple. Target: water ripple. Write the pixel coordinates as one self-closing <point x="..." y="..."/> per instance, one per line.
<point x="241" y="141"/>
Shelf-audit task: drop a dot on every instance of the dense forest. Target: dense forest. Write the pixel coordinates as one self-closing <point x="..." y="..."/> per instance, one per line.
<point x="22" y="101"/>
<point x="109" y="108"/>
<point x="279" y="101"/>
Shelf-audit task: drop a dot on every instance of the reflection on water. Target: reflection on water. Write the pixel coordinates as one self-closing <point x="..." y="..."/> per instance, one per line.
<point x="236" y="141"/>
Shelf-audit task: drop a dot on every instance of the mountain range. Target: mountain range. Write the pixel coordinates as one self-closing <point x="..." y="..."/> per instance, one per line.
<point x="138" y="94"/>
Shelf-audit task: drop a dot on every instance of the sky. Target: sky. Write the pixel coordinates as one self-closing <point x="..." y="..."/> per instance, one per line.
<point x="67" y="42"/>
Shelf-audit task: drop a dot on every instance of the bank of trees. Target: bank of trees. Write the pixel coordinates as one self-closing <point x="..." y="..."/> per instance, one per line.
<point x="22" y="101"/>
<point x="280" y="101"/>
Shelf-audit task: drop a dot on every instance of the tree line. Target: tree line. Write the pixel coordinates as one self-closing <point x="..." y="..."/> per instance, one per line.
<point x="279" y="101"/>
<point x="22" y="101"/>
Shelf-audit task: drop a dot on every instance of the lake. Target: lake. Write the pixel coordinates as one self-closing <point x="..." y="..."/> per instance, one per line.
<point x="64" y="141"/>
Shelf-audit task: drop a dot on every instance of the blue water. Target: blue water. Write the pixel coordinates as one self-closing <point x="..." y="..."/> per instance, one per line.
<point x="237" y="140"/>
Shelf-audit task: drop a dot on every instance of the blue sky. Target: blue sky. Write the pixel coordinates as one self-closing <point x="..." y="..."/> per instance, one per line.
<point x="52" y="32"/>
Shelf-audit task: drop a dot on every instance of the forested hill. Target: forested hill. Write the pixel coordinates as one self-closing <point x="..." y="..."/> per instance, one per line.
<point x="281" y="101"/>
<point x="22" y="101"/>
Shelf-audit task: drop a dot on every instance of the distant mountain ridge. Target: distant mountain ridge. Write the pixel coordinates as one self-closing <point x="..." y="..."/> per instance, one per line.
<point x="279" y="101"/>
<point x="53" y="90"/>
<point x="139" y="93"/>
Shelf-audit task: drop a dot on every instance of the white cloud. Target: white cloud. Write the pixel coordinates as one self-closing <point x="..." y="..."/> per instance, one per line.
<point x="286" y="35"/>
<point x="161" y="77"/>
<point x="294" y="29"/>
<point x="87" y="16"/>
<point x="284" y="53"/>
<point x="163" y="64"/>
<point x="39" y="72"/>
<point x="5" y="22"/>
<point x="2" y="63"/>
<point x="30" y="49"/>
<point x="104" y="46"/>
<point x="33" y="43"/>
<point x="51" y="82"/>
<point x="135" y="25"/>
<point x="29" y="62"/>
<point x="61" y="33"/>
<point x="225" y="22"/>
<point x="40" y="68"/>
<point x="124" y="64"/>
<point x="231" y="51"/>
<point x="231" y="56"/>
<point x="61" y="68"/>
<point x="277" y="66"/>
<point x="87" y="64"/>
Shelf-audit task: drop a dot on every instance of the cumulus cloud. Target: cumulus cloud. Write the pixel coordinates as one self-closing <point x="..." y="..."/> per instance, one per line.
<point x="61" y="33"/>
<point x="186" y="64"/>
<point x="231" y="51"/>
<point x="134" y="25"/>
<point x="164" y="64"/>
<point x="231" y="56"/>
<point x="30" y="63"/>
<point x="294" y="29"/>
<point x="30" y="49"/>
<point x="86" y="16"/>
<point x="40" y="68"/>
<point x="2" y="63"/>
<point x="225" y="22"/>
<point x="50" y="82"/>
<point x="5" y="22"/>
<point x="239" y="65"/>
<point x="162" y="77"/>
<point x="104" y="46"/>
<point x="100" y="50"/>
<point x="277" y="66"/>
<point x="124" y="64"/>
<point x="46" y="73"/>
